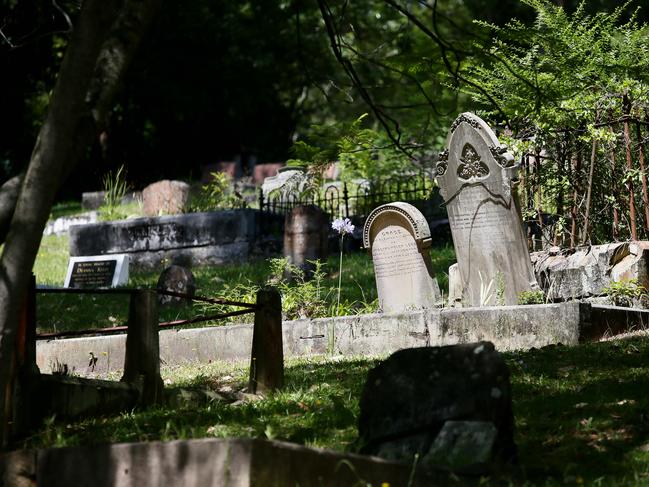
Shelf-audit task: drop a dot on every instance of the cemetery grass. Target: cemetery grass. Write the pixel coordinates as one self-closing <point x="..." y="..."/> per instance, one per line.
<point x="582" y="413"/>
<point x="237" y="281"/>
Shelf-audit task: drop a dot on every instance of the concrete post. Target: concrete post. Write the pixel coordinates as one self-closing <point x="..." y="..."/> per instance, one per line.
<point x="142" y="357"/>
<point x="267" y="361"/>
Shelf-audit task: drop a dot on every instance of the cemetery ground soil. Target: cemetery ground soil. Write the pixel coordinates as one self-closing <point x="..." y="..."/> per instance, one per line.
<point x="582" y="413"/>
<point x="75" y="312"/>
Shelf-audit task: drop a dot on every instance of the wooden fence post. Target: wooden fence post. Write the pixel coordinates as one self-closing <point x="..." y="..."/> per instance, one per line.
<point x="267" y="360"/>
<point x="142" y="357"/>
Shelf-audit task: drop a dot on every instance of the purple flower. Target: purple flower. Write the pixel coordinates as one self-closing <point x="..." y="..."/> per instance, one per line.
<point x="343" y="226"/>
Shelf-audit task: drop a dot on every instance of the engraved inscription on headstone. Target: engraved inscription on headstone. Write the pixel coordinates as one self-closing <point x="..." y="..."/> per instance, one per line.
<point x="97" y="271"/>
<point x="398" y="237"/>
<point x="475" y="176"/>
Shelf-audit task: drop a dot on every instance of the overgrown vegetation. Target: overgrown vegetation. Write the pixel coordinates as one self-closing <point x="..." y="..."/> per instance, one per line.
<point x="115" y="188"/>
<point x="582" y="413"/>
<point x="218" y="194"/>
<point x="572" y="91"/>
<point x="626" y="292"/>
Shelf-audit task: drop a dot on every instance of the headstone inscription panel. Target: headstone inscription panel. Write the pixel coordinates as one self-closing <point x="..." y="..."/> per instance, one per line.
<point x="398" y="237"/>
<point x="99" y="271"/>
<point x="475" y="176"/>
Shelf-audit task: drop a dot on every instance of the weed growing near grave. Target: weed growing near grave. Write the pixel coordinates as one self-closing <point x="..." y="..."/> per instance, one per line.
<point x="217" y="195"/>
<point x="115" y="188"/>
<point x="624" y="293"/>
<point x="531" y="297"/>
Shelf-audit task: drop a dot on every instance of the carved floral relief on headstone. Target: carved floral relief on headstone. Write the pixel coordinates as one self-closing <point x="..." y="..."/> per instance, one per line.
<point x="475" y="176"/>
<point x="398" y="237"/>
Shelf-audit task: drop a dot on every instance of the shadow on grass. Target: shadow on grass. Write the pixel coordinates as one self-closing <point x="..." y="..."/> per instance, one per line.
<point x="582" y="413"/>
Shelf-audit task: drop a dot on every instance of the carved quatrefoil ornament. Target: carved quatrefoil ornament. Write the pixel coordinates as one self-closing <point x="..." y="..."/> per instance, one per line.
<point x="472" y="165"/>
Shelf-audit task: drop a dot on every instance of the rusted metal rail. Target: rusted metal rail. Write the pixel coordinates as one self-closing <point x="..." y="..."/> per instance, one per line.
<point x="249" y="308"/>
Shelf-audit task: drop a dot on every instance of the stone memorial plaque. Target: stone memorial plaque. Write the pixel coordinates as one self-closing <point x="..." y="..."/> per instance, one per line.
<point x="398" y="238"/>
<point x="98" y="271"/>
<point x="475" y="176"/>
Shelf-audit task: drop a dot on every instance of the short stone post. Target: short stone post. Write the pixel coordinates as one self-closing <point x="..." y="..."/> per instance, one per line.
<point x="267" y="361"/>
<point x="142" y="357"/>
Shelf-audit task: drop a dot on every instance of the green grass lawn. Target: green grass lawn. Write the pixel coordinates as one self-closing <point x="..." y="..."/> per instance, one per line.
<point x="582" y="413"/>
<point x="236" y="281"/>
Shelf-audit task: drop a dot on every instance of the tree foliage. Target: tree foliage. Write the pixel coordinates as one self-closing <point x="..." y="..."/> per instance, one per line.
<point x="572" y="89"/>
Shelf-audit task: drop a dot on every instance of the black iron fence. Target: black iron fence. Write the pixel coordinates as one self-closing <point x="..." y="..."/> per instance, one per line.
<point x="356" y="200"/>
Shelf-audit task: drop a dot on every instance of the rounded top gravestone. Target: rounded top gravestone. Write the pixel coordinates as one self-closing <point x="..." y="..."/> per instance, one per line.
<point x="398" y="237"/>
<point x="176" y="279"/>
<point x="475" y="176"/>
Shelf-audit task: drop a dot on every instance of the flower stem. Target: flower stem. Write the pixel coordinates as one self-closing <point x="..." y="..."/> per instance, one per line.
<point x="340" y="274"/>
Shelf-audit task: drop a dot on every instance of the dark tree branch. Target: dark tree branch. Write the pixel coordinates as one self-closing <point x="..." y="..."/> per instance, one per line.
<point x="385" y="120"/>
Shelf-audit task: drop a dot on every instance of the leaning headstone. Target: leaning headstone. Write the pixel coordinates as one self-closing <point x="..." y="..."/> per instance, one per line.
<point x="98" y="271"/>
<point x="475" y="176"/>
<point x="176" y="279"/>
<point x="449" y="405"/>
<point x="165" y="198"/>
<point x="398" y="237"/>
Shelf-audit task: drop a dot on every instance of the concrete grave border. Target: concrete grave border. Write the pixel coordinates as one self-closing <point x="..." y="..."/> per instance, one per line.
<point x="206" y="462"/>
<point x="508" y="327"/>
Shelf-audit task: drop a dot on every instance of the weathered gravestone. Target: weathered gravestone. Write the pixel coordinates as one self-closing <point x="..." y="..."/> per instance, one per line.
<point x="176" y="279"/>
<point x="306" y="232"/>
<point x="165" y="198"/>
<point x="97" y="271"/>
<point x="398" y="237"/>
<point x="475" y="176"/>
<point x="450" y="405"/>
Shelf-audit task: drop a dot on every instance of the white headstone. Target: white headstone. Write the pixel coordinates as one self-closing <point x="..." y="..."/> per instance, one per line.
<point x="398" y="237"/>
<point x="288" y="180"/>
<point x="97" y="271"/>
<point x="475" y="176"/>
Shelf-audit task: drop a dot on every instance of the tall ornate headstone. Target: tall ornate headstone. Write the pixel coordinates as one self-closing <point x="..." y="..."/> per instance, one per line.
<point x="475" y="176"/>
<point x="398" y="237"/>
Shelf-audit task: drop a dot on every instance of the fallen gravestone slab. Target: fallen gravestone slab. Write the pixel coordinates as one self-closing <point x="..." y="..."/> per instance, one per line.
<point x="177" y="279"/>
<point x="398" y="237"/>
<point x="450" y="405"/>
<point x="97" y="271"/>
<point x="475" y="176"/>
<point x="587" y="271"/>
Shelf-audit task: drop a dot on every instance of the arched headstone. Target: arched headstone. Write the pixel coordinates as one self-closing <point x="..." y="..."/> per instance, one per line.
<point x="475" y="176"/>
<point x="398" y="237"/>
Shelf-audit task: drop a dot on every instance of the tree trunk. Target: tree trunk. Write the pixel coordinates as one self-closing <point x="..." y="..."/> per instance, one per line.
<point x="102" y="44"/>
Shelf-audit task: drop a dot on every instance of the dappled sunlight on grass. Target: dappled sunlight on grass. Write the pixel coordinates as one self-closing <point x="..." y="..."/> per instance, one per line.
<point x="582" y="413"/>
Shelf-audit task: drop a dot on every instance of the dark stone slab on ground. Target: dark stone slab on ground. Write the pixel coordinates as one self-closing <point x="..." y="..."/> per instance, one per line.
<point x="427" y="401"/>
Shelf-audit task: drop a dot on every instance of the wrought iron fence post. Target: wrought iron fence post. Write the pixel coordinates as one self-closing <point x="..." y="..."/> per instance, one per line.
<point x="261" y="199"/>
<point x="346" y="199"/>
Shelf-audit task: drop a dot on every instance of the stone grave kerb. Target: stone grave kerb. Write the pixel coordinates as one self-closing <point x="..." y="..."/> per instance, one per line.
<point x="475" y="174"/>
